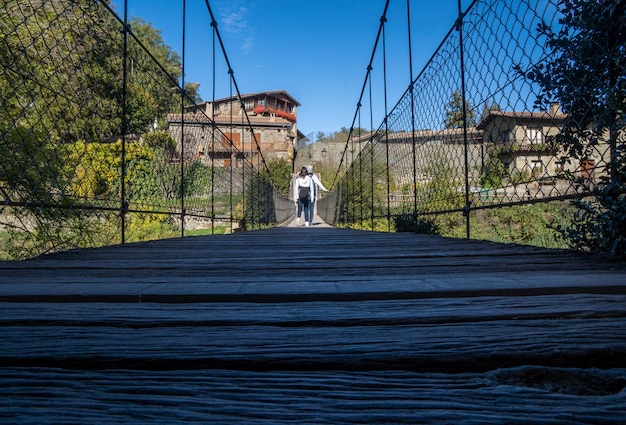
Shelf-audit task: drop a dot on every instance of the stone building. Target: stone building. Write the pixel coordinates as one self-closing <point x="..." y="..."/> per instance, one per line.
<point x="225" y="131"/>
<point x="519" y="141"/>
<point x="522" y="142"/>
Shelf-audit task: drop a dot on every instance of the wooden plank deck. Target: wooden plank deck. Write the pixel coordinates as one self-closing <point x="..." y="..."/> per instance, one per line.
<point x="313" y="326"/>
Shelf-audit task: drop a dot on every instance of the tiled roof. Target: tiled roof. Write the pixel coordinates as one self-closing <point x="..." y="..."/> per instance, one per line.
<point x="448" y="133"/>
<point x="544" y="116"/>
<point x="275" y="93"/>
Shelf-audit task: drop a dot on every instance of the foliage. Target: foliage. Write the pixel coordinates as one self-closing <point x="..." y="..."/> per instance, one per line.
<point x="65" y="50"/>
<point x="258" y="202"/>
<point x="326" y="171"/>
<point x="524" y="224"/>
<point x="488" y="108"/>
<point x="95" y="171"/>
<point x="280" y="172"/>
<point x="151" y="91"/>
<point x="76" y="49"/>
<point x="494" y="173"/>
<point x="192" y="94"/>
<point x="40" y="232"/>
<point x="62" y="111"/>
<point x="599" y="225"/>
<point x="27" y="169"/>
<point x="584" y="71"/>
<point x="145" y="227"/>
<point x="520" y="177"/>
<point x="160" y="140"/>
<point x="454" y="112"/>
<point x="364" y="189"/>
<point x="198" y="179"/>
<point x="411" y="223"/>
<point x="340" y="136"/>
<point x="536" y="224"/>
<point x="441" y="191"/>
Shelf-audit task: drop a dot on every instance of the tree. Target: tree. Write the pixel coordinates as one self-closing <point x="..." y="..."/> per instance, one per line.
<point x="488" y="108"/>
<point x="584" y="70"/>
<point x="192" y="91"/>
<point x="152" y="92"/>
<point x="62" y="85"/>
<point x="280" y="172"/>
<point x="494" y="173"/>
<point x="454" y="112"/>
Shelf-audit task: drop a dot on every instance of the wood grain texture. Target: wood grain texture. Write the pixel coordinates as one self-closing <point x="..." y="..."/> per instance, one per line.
<point x="313" y="326"/>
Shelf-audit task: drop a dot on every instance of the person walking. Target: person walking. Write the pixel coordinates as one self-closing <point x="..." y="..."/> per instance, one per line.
<point x="316" y="184"/>
<point x="302" y="195"/>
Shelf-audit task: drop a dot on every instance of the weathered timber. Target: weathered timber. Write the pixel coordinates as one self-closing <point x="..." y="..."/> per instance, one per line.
<point x="313" y="325"/>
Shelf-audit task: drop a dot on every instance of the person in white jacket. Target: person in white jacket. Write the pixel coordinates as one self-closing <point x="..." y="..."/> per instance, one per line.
<point x="316" y="184"/>
<point x="303" y="188"/>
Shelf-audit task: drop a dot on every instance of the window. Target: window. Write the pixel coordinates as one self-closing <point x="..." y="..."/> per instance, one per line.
<point x="232" y="138"/>
<point x="587" y="167"/>
<point x="249" y="104"/>
<point x="534" y="136"/>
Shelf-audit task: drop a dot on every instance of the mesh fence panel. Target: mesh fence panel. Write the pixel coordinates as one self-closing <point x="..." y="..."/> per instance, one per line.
<point x="468" y="134"/>
<point x="94" y="150"/>
<point x="98" y="145"/>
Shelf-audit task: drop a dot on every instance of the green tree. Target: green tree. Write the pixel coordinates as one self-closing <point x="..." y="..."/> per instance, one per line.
<point x="488" y="108"/>
<point x="280" y="170"/>
<point x="494" y="173"/>
<point x="454" y="112"/>
<point x="584" y="71"/>
<point x="62" y="96"/>
<point x="192" y="94"/>
<point x="153" y="72"/>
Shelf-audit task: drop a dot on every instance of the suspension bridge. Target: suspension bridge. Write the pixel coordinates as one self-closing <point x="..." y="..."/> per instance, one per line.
<point x="154" y="271"/>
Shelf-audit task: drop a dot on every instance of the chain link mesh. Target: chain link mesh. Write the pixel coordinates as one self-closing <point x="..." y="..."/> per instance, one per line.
<point x="92" y="152"/>
<point x="462" y="139"/>
<point x="96" y="148"/>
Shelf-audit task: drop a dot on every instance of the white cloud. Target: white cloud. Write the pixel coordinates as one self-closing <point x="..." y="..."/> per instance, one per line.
<point x="235" y="20"/>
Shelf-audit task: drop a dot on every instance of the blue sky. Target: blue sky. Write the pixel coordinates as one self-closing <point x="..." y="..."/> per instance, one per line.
<point x="316" y="50"/>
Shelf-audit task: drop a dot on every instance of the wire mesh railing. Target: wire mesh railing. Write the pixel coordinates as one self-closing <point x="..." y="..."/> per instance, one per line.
<point x="97" y="146"/>
<point x="468" y="133"/>
<point x="102" y="140"/>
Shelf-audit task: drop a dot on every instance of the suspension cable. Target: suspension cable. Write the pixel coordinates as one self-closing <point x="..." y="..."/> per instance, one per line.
<point x="413" y="141"/>
<point x="466" y="208"/>
<point x="213" y="125"/>
<point x="234" y="81"/>
<point x="367" y="76"/>
<point x="386" y="129"/>
<point x="182" y="129"/>
<point x="124" y="204"/>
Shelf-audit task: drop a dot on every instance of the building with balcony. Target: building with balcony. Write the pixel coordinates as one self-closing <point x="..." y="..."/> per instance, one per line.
<point x="521" y="141"/>
<point x="224" y="131"/>
<point x="524" y="144"/>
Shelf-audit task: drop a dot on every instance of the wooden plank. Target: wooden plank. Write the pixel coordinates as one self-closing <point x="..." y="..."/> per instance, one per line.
<point x="313" y="325"/>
